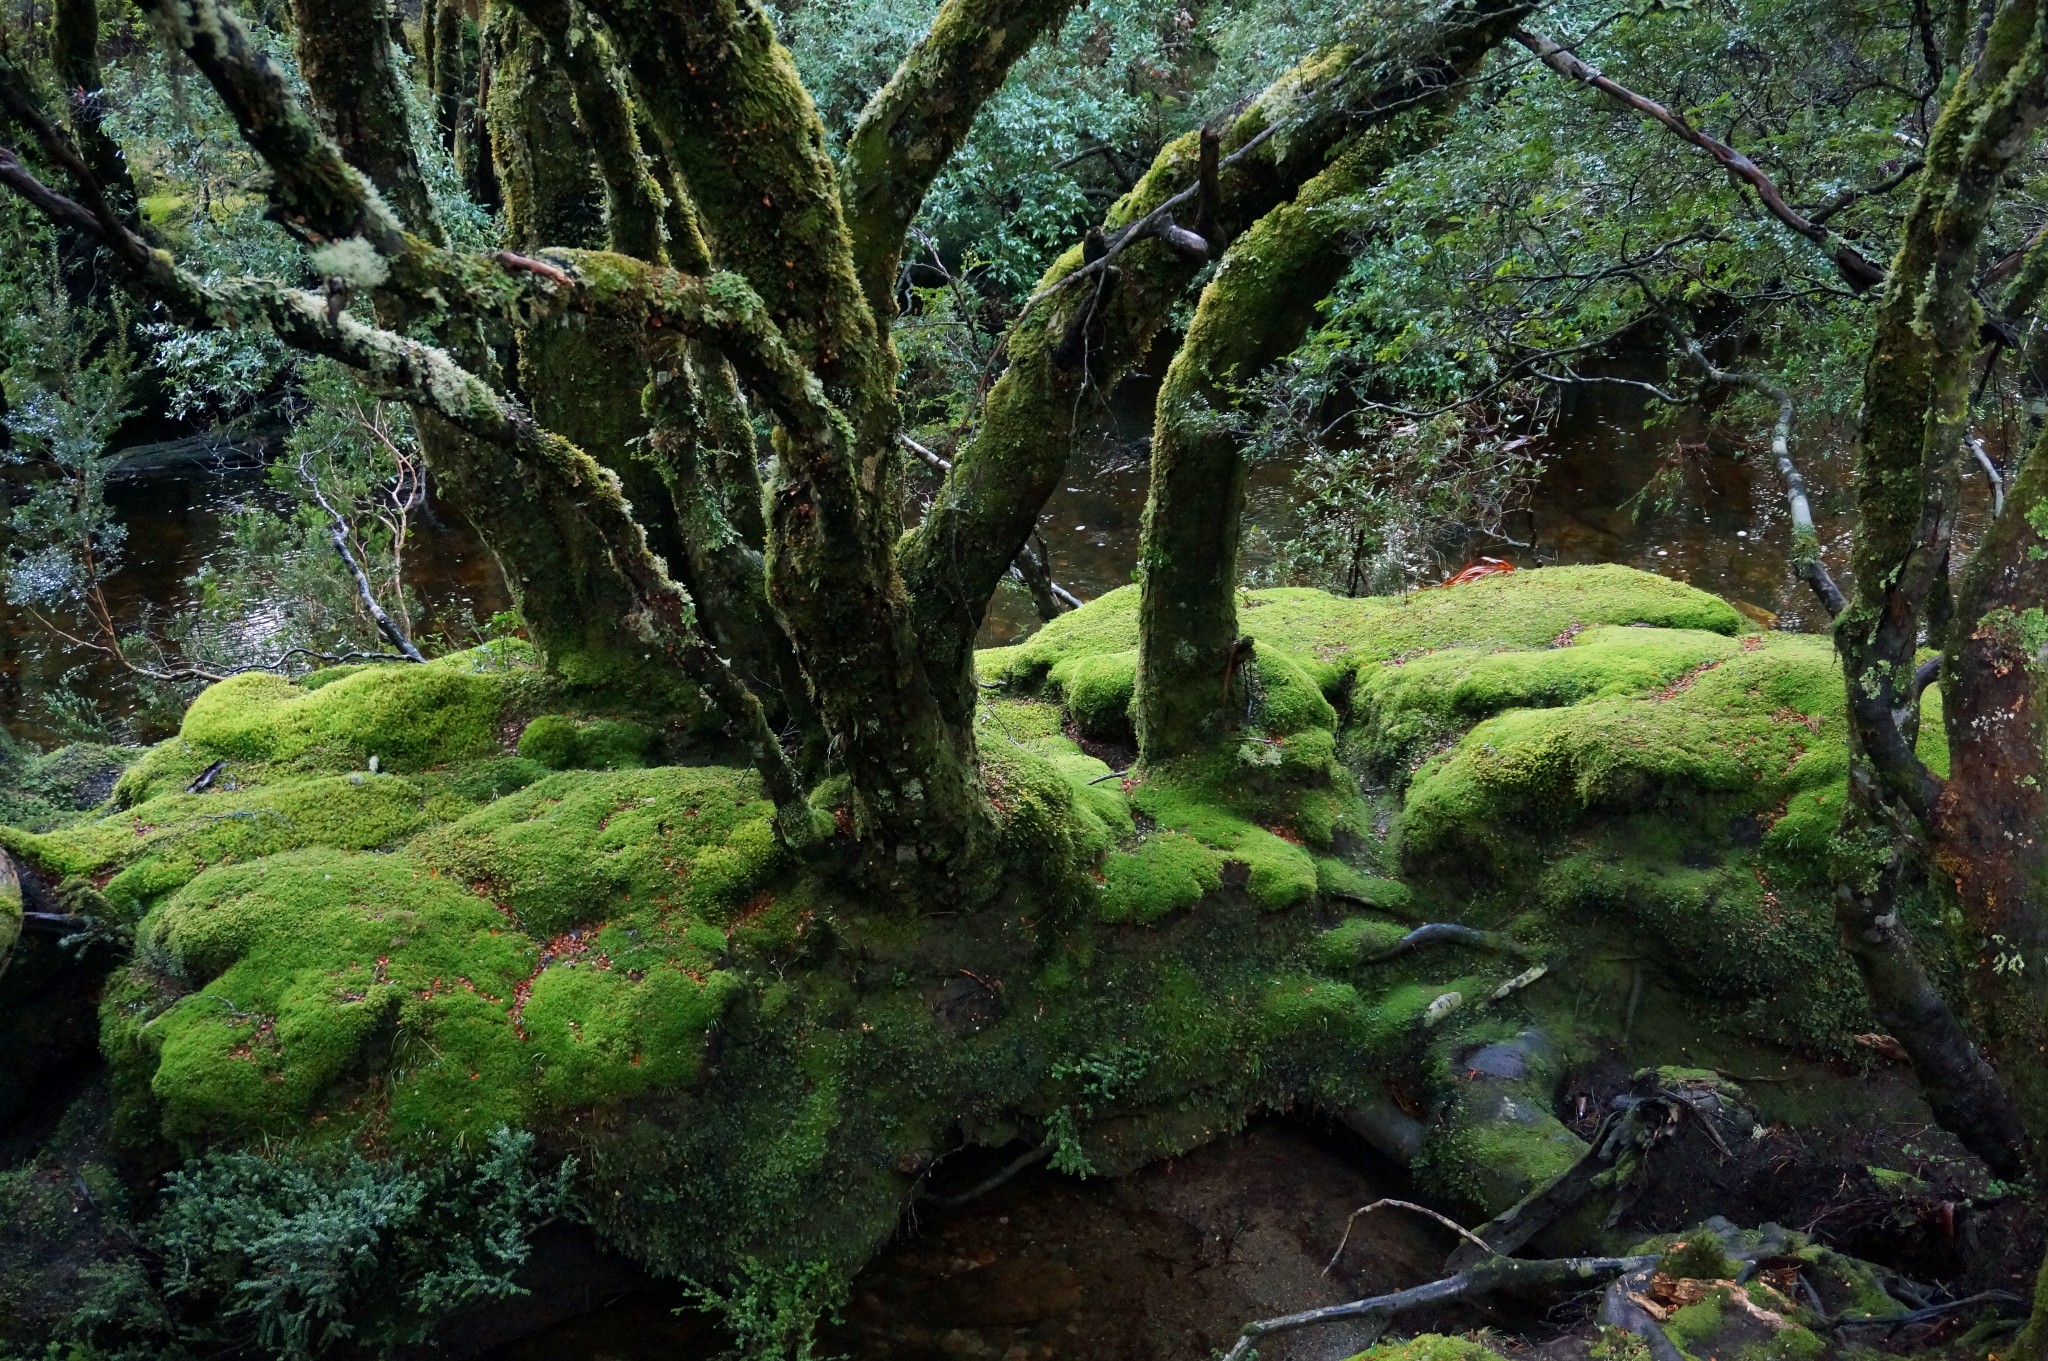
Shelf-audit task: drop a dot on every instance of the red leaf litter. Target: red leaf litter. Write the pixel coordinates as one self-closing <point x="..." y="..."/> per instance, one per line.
<point x="1485" y="567"/>
<point x="566" y="948"/>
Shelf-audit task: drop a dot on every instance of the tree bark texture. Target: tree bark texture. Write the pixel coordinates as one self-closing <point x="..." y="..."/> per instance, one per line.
<point x="1915" y="411"/>
<point x="346" y="56"/>
<point x="912" y="126"/>
<point x="1992" y="816"/>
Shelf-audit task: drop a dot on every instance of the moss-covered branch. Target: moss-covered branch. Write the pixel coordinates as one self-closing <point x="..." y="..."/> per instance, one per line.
<point x="1916" y="395"/>
<point x="345" y="54"/>
<point x="911" y="128"/>
<point x="1083" y="336"/>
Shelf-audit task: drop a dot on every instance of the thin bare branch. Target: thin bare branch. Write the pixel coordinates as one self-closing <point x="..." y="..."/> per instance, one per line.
<point x="1856" y="269"/>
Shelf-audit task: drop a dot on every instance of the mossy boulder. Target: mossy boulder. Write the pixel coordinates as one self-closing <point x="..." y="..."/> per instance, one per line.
<point x="409" y="718"/>
<point x="561" y="743"/>
<point x="45" y="789"/>
<point x="560" y="952"/>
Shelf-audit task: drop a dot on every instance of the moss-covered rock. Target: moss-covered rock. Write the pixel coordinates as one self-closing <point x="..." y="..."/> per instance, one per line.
<point x="40" y="790"/>
<point x="1595" y="767"/>
<point x="409" y="718"/>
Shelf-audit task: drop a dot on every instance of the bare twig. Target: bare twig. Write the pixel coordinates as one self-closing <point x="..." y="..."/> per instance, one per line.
<point x="1453" y="1225"/>
<point x="939" y="465"/>
<point x="339" y="537"/>
<point x="1806" y="561"/>
<point x="990" y="1183"/>
<point x="1990" y="471"/>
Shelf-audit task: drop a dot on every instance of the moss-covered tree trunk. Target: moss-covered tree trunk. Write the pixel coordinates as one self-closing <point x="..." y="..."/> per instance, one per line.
<point x="1190" y="692"/>
<point x="1093" y="320"/>
<point x="1916" y="401"/>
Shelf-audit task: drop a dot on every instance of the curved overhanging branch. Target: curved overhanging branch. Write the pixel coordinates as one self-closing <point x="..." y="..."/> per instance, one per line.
<point x="428" y="378"/>
<point x="912" y="127"/>
<point x="1857" y="270"/>
<point x="312" y="188"/>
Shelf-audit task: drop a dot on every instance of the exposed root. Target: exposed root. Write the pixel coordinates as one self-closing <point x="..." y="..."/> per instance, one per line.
<point x="1619" y="1308"/>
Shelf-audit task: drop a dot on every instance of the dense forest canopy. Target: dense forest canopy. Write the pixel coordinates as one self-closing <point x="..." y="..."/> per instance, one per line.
<point x="716" y="892"/>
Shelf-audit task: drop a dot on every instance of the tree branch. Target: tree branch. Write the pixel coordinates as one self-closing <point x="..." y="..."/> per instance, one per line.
<point x="1857" y="270"/>
<point x="911" y="128"/>
<point x="634" y="202"/>
<point x="1494" y="1273"/>
<point x="988" y="505"/>
<point x="430" y="379"/>
<point x="339" y="537"/>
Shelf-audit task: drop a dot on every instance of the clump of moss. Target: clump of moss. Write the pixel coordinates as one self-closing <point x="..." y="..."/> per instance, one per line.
<point x="1761" y="723"/>
<point x="41" y="790"/>
<point x="408" y="717"/>
<point x="582" y="846"/>
<point x="323" y="986"/>
<point x="1428" y="1347"/>
<point x="561" y="743"/>
<point x="290" y="975"/>
<point x="157" y="846"/>
<point x="1700" y="1256"/>
<point x="1354" y="941"/>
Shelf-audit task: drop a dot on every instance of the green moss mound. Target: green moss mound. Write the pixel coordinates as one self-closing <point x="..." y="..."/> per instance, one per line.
<point x="1332" y="637"/>
<point x="584" y="846"/>
<point x="40" y="790"/>
<point x="1427" y="1347"/>
<point x="410" y="718"/>
<point x="321" y="986"/>
<point x="1593" y="766"/>
<point x="561" y="743"/>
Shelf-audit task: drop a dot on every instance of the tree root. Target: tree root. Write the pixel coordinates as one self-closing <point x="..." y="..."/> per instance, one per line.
<point x="1619" y="1309"/>
<point x="1491" y="1274"/>
<point x="991" y="1182"/>
<point x="1623" y="1140"/>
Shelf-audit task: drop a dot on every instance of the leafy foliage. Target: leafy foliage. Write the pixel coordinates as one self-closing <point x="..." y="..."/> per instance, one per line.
<point x="309" y="1248"/>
